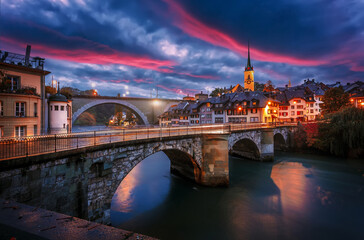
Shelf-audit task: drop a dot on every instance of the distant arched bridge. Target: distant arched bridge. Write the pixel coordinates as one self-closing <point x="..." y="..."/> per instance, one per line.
<point x="146" y="109"/>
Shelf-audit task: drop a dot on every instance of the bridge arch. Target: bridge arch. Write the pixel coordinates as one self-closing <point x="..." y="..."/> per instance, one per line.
<point x="279" y="141"/>
<point x="115" y="101"/>
<point x="246" y="148"/>
<point x="106" y="176"/>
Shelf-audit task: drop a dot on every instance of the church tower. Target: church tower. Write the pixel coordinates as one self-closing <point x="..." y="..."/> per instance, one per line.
<point x="249" y="74"/>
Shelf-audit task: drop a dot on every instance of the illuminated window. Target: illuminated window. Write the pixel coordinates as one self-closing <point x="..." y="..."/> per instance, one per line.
<point x="1" y="109"/>
<point x="20" y="131"/>
<point x="56" y="107"/>
<point x="20" y="109"/>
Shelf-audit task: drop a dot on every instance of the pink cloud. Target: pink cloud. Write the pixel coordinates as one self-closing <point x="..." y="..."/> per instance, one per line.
<point x="140" y="80"/>
<point x="197" y="29"/>
<point x="102" y="55"/>
<point x="120" y="81"/>
<point x="179" y="91"/>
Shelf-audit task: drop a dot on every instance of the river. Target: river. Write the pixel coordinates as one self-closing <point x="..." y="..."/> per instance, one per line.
<point x="299" y="196"/>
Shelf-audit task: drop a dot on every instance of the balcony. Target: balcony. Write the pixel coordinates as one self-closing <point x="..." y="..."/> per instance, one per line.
<point x="24" y="90"/>
<point x="21" y="60"/>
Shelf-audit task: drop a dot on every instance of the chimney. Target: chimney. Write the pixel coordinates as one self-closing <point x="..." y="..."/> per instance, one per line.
<point x="27" y="55"/>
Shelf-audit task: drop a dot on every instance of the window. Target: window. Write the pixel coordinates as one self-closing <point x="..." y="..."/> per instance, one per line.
<point x="298" y="101"/>
<point x="20" y="109"/>
<point x="35" y="109"/>
<point x="62" y="108"/>
<point x="254" y="103"/>
<point x="56" y="107"/>
<point x="219" y="120"/>
<point x="299" y="106"/>
<point x="292" y="113"/>
<point x="299" y="112"/>
<point x="311" y="104"/>
<point x="254" y="119"/>
<point x="1" y="109"/>
<point x="1" y="132"/>
<point x="12" y="82"/>
<point x="208" y="110"/>
<point x="20" y="131"/>
<point x="35" y="130"/>
<point x="292" y="107"/>
<point x="51" y="107"/>
<point x="64" y="125"/>
<point x="311" y="110"/>
<point x="254" y="110"/>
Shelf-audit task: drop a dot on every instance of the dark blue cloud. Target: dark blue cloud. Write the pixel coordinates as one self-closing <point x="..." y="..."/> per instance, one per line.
<point x="144" y="44"/>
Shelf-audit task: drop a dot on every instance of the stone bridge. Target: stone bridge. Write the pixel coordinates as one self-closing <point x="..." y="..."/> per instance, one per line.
<point x="82" y="182"/>
<point x="146" y="109"/>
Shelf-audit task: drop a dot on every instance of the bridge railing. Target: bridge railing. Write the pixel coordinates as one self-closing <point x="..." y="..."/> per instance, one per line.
<point x="36" y="145"/>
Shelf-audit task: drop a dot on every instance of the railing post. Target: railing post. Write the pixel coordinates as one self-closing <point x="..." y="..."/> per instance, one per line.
<point x="77" y="141"/>
<point x="169" y="131"/>
<point x="124" y="134"/>
<point x="55" y="143"/>
<point x="110" y="137"/>
<point x="27" y="145"/>
<point x="94" y="138"/>
<point x="148" y="133"/>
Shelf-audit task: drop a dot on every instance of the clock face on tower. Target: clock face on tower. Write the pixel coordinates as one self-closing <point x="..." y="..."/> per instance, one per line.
<point x="248" y="81"/>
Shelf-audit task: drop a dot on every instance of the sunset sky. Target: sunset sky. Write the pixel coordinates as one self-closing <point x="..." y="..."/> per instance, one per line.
<point x="183" y="47"/>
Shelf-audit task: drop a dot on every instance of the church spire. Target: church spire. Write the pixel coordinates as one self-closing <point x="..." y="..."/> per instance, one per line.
<point x="248" y="65"/>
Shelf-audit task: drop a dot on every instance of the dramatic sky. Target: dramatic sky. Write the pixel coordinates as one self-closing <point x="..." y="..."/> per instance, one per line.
<point x="186" y="46"/>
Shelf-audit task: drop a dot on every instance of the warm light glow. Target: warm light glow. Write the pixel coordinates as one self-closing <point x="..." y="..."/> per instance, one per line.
<point x="351" y="100"/>
<point x="156" y="102"/>
<point x="239" y="108"/>
<point x="127" y="92"/>
<point x="275" y="111"/>
<point x="362" y="103"/>
<point x="124" y="95"/>
<point x="269" y="103"/>
<point x="359" y="100"/>
<point x="294" y="102"/>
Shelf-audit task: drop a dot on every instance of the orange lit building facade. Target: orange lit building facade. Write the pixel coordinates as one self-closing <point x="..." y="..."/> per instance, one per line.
<point x="21" y="95"/>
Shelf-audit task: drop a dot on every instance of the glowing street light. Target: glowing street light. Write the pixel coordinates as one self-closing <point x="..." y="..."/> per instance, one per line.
<point x="240" y="108"/>
<point x="156" y="102"/>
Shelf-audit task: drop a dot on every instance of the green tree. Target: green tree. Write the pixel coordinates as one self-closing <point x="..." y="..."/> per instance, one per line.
<point x="218" y="92"/>
<point x="342" y="133"/>
<point x="258" y="86"/>
<point x="334" y="99"/>
<point x="268" y="87"/>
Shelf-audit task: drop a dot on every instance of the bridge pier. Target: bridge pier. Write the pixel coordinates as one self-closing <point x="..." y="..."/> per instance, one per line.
<point x="215" y="164"/>
<point x="267" y="145"/>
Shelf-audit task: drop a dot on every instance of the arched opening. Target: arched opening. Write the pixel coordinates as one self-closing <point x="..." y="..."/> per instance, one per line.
<point x="148" y="185"/>
<point x="279" y="142"/>
<point x="108" y="115"/>
<point x="246" y="148"/>
<point x="119" y="103"/>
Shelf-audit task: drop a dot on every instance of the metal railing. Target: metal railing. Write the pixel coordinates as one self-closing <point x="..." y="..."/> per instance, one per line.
<point x="36" y="145"/>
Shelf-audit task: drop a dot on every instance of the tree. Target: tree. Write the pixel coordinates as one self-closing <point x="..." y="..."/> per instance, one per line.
<point x="334" y="99"/>
<point x="258" y="86"/>
<point x="51" y="90"/>
<point x="268" y="87"/>
<point x="218" y="92"/>
<point x="342" y="133"/>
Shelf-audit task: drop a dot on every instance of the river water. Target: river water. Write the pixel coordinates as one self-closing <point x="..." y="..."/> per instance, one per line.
<point x="297" y="197"/>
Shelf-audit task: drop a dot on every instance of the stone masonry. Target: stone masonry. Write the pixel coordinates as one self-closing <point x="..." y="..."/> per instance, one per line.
<point x="82" y="182"/>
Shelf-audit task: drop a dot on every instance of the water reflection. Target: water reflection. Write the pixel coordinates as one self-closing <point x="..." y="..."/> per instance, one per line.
<point x="144" y="188"/>
<point x="296" y="197"/>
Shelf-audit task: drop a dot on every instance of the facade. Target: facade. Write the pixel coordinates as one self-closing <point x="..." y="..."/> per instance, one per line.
<point x="24" y="109"/>
<point x="242" y="107"/>
<point x="21" y="95"/>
